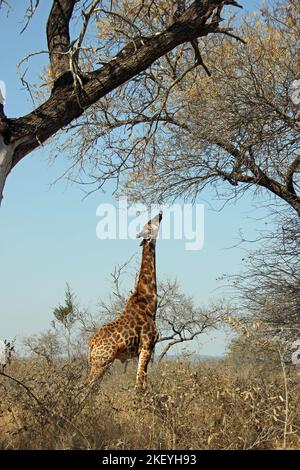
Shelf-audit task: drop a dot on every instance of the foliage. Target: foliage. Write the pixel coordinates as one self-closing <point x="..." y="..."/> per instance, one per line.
<point x="66" y="314"/>
<point x="177" y="129"/>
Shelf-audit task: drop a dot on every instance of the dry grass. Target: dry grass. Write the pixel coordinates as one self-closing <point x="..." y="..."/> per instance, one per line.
<point x="187" y="406"/>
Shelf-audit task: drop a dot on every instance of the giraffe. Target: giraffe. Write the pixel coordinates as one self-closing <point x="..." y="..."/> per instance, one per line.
<point x="133" y="333"/>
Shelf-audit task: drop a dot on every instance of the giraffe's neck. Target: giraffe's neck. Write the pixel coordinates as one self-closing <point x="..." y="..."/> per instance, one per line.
<point x="144" y="297"/>
<point x="145" y="292"/>
<point x="147" y="275"/>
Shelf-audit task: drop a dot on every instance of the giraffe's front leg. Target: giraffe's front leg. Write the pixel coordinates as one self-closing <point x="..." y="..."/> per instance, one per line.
<point x="141" y="377"/>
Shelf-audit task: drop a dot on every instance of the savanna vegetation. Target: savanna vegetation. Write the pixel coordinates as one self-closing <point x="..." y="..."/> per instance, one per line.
<point x="227" y="404"/>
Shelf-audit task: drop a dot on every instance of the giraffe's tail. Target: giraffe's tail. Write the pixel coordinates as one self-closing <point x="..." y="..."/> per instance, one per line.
<point x="89" y="360"/>
<point x="91" y="345"/>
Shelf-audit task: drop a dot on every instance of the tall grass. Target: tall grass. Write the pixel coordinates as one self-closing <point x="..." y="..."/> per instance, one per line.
<point x="187" y="406"/>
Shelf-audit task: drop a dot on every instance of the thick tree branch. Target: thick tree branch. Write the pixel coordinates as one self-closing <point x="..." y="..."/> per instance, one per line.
<point x="260" y="177"/>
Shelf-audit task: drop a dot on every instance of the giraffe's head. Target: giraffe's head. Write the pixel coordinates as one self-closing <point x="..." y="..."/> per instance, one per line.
<point x="150" y="231"/>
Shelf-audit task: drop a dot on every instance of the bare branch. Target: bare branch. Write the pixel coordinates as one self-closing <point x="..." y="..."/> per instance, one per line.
<point x="198" y="56"/>
<point x="227" y="32"/>
<point x="87" y="16"/>
<point x="30" y="11"/>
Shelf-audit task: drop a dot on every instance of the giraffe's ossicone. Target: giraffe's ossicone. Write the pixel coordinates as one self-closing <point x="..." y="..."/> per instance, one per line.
<point x="134" y="333"/>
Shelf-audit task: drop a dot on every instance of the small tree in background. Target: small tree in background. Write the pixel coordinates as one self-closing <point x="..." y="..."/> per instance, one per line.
<point x="68" y="336"/>
<point x="179" y="320"/>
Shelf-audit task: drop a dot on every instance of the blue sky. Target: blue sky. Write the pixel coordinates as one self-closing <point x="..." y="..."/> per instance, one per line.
<point x="48" y="232"/>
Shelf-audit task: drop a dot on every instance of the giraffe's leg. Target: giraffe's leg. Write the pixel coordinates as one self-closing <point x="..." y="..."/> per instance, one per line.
<point x="141" y="377"/>
<point x="99" y="363"/>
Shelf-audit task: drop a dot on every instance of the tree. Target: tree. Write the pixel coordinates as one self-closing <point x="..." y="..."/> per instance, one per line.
<point x="268" y="289"/>
<point x="77" y="81"/>
<point x="67" y="336"/>
<point x="46" y="345"/>
<point x="179" y="320"/>
<point x="235" y="131"/>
